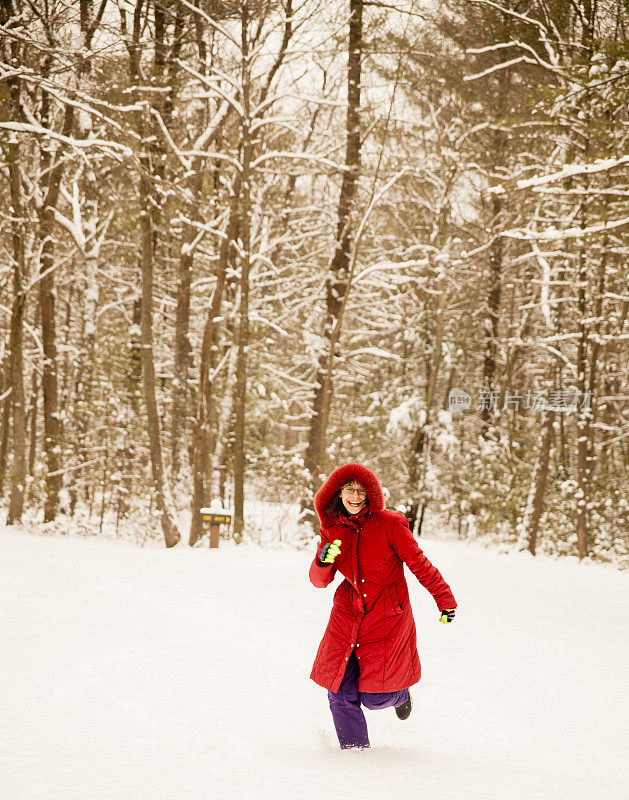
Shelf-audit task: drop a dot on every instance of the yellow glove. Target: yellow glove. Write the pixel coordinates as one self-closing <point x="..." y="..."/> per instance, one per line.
<point x="330" y="551"/>
<point x="447" y="615"/>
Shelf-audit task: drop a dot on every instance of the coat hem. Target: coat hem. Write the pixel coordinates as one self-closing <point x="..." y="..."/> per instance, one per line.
<point x="368" y="688"/>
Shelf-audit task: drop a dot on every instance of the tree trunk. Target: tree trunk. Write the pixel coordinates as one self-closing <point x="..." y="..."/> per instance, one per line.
<point x="245" y="261"/>
<point x="50" y="388"/>
<point x="18" y="478"/>
<point x="583" y="415"/>
<point x="222" y="429"/>
<point x="180" y="394"/>
<point x="52" y="168"/>
<point x="162" y="493"/>
<point x="493" y="312"/>
<point x="419" y="444"/>
<point x="5" y="414"/>
<point x="32" y="421"/>
<point x="15" y="401"/>
<point x="595" y="352"/>
<point x="148" y="206"/>
<point x="166" y="63"/>
<point x="50" y="379"/>
<point x="527" y="539"/>
<point x="338" y="271"/>
<point x="202" y="443"/>
<point x="89" y="290"/>
<point x="134" y="373"/>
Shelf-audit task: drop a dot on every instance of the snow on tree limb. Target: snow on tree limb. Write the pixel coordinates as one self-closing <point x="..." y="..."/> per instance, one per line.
<point x="211" y="22"/>
<point x="498" y="67"/>
<point x="535" y="59"/>
<point x="81" y="144"/>
<point x="212" y="128"/>
<point x="600" y="165"/>
<point x="554" y="58"/>
<point x="557" y="234"/>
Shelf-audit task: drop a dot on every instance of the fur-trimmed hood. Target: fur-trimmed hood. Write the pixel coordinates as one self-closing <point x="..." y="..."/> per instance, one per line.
<point x="341" y="475"/>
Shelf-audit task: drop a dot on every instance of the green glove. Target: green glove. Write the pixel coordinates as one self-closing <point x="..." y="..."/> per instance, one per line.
<point x="330" y="551"/>
<point x="447" y="615"/>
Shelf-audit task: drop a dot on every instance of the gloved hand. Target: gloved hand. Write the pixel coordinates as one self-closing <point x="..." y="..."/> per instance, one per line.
<point x="330" y="551"/>
<point x="447" y="615"/>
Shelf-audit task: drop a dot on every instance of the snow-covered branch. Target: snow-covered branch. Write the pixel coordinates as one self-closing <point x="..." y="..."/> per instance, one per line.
<point x="557" y="234"/>
<point x="569" y="171"/>
<point x="80" y="144"/>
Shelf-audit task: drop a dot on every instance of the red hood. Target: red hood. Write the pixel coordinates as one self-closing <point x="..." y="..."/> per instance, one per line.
<point x="341" y="475"/>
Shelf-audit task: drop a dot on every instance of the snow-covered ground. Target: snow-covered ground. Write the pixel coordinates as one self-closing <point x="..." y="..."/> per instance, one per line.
<point x="144" y="673"/>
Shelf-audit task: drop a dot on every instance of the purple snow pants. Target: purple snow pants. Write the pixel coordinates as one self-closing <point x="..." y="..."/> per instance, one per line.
<point x="349" y="720"/>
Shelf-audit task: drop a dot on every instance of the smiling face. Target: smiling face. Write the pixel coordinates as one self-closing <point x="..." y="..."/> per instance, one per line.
<point x="353" y="497"/>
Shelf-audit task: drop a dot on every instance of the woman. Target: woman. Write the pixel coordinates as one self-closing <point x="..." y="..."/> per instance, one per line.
<point x="368" y="653"/>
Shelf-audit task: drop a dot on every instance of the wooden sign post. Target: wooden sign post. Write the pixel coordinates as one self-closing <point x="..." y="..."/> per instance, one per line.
<point x="213" y="518"/>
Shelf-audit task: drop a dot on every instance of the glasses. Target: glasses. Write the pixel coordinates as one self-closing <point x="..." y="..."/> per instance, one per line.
<point x="354" y="490"/>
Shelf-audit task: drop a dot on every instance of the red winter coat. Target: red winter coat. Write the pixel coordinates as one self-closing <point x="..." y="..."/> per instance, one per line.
<point x="371" y="610"/>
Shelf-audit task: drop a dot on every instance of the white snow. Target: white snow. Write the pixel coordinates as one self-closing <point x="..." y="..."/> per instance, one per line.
<point x="145" y="673"/>
<point x="405" y="416"/>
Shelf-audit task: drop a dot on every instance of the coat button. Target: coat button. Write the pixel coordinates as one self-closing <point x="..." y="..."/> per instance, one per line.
<point x="364" y="595"/>
<point x="346" y="658"/>
<point x="363" y="580"/>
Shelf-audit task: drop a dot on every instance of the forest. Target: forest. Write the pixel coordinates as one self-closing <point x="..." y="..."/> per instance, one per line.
<point x="246" y="241"/>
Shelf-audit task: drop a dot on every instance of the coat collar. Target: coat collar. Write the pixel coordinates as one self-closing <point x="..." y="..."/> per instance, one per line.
<point x="355" y="520"/>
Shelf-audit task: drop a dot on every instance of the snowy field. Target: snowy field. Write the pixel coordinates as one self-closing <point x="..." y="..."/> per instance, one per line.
<point x="179" y="675"/>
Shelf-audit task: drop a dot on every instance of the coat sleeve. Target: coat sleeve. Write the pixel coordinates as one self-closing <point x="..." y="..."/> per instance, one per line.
<point x="320" y="576"/>
<point x="427" y="574"/>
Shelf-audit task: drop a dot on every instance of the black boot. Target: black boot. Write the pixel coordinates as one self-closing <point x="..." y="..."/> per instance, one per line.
<point x="404" y="711"/>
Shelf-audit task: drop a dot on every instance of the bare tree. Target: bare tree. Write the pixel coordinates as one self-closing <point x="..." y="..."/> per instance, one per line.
<point x="336" y="283"/>
<point x="148" y="207"/>
<point x="16" y="397"/>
